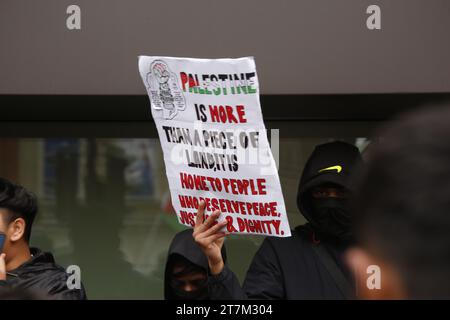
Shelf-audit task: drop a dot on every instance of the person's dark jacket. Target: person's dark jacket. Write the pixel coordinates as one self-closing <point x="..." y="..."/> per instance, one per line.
<point x="289" y="268"/>
<point x="42" y="277"/>
<point x="183" y="244"/>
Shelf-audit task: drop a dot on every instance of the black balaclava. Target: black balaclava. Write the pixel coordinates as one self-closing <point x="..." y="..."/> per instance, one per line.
<point x="184" y="246"/>
<point x="332" y="217"/>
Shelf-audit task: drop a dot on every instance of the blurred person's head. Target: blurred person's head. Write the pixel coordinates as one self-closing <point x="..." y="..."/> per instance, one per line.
<point x="325" y="188"/>
<point x="186" y="274"/>
<point x="403" y="221"/>
<point x="18" y="208"/>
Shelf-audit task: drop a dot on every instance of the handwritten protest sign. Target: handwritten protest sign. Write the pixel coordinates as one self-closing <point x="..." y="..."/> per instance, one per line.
<point x="213" y="137"/>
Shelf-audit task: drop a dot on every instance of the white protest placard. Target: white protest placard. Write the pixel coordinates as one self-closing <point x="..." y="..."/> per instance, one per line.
<point x="215" y="146"/>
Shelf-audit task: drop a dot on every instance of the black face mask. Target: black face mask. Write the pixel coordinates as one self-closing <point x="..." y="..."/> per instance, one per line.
<point x="332" y="217"/>
<point x="199" y="294"/>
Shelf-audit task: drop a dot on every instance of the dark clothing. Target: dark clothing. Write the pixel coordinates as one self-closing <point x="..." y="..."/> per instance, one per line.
<point x="289" y="268"/>
<point x="332" y="163"/>
<point x="183" y="245"/>
<point x="283" y="268"/>
<point x="42" y="276"/>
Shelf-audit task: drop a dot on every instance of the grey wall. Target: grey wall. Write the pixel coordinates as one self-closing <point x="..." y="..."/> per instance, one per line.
<point x="300" y="46"/>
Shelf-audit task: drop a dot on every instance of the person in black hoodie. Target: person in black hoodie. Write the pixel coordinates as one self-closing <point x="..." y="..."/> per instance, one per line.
<point x="310" y="264"/>
<point x="22" y="267"/>
<point x="186" y="273"/>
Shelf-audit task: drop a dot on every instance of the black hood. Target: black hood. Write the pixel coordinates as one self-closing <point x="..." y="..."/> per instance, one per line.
<point x="330" y="163"/>
<point x="183" y="244"/>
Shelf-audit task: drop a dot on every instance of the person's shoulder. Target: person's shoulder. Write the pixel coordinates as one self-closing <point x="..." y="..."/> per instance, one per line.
<point x="48" y="274"/>
<point x="63" y="284"/>
<point x="43" y="265"/>
<point x="56" y="271"/>
<point x="300" y="236"/>
<point x="49" y="278"/>
<point x="43" y="262"/>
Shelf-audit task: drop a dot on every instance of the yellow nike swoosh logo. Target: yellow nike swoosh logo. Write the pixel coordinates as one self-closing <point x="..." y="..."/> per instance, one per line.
<point x="337" y="168"/>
